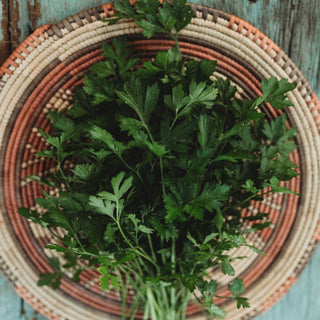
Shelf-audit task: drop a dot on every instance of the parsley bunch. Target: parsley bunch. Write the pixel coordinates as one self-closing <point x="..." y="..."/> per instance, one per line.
<point x="155" y="165"/>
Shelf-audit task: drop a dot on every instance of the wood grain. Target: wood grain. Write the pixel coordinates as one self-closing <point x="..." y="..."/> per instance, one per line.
<point x="4" y="32"/>
<point x="14" y="308"/>
<point x="293" y="25"/>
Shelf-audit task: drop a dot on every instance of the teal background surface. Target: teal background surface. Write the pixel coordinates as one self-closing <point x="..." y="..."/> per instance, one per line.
<point x="294" y="25"/>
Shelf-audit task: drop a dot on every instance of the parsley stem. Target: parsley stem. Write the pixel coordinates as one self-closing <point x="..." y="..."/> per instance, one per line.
<point x="222" y="297"/>
<point x="160" y="158"/>
<point x="65" y="179"/>
<point x="162" y="176"/>
<point x="173" y="270"/>
<point x="153" y="304"/>
<point x="174" y="121"/>
<point x="137" y="285"/>
<point x="165" y="302"/>
<point x="152" y="248"/>
<point x="162" y="254"/>
<point x="125" y="288"/>
<point x="173" y="256"/>
<point x="136" y="172"/>
<point x="148" y="130"/>
<point x="77" y="239"/>
<point x="55" y="235"/>
<point x="117" y="221"/>
<point x="197" y="298"/>
<point x="138" y="251"/>
<point x="252" y="196"/>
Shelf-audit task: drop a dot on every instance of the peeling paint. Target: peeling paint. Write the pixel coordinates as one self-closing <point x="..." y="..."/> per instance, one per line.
<point x="4" y="31"/>
<point x="34" y="13"/>
<point x="14" y="29"/>
<point x="4" y="20"/>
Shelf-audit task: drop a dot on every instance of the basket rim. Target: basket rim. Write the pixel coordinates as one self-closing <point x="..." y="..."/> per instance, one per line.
<point x="236" y="24"/>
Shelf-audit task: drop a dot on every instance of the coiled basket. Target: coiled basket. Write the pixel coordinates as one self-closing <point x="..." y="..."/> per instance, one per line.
<point x="41" y="75"/>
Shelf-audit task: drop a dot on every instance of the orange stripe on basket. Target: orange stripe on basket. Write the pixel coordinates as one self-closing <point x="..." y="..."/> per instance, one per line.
<point x="232" y="21"/>
<point x="40" y="32"/>
<point x="25" y="294"/>
<point x="264" y="41"/>
<point x="242" y="24"/>
<point x="257" y="35"/>
<point x="84" y="62"/>
<point x="78" y="66"/>
<point x="272" y="46"/>
<point x="249" y="30"/>
<point x="18" y="55"/>
<point x="5" y="70"/>
<point x="314" y="103"/>
<point x="72" y="83"/>
<point x="108" y="8"/>
<point x="29" y="41"/>
<point x="316" y="234"/>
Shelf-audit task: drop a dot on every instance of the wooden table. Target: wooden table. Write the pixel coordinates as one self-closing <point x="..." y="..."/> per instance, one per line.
<point x="294" y="25"/>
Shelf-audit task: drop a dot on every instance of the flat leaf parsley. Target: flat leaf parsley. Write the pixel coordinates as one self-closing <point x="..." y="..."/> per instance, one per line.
<point x="165" y="160"/>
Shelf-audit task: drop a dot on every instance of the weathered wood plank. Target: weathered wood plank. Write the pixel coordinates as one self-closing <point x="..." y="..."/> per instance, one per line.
<point x="12" y="307"/>
<point x="293" y="25"/>
<point x="19" y="18"/>
<point x="4" y="31"/>
<point x="47" y="11"/>
<point x="10" y="33"/>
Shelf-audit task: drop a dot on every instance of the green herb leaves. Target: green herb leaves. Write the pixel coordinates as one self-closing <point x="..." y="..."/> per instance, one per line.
<point x="143" y="102"/>
<point x="273" y="92"/>
<point x="154" y="166"/>
<point x="112" y="204"/>
<point x="168" y="18"/>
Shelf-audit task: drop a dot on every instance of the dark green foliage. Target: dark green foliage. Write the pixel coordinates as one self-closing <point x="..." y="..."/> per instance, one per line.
<point x="165" y="160"/>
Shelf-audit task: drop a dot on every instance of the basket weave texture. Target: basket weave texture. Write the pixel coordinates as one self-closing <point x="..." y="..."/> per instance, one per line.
<point x="41" y="75"/>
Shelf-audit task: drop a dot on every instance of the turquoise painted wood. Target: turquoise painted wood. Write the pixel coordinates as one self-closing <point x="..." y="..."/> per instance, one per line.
<point x="12" y="307"/>
<point x="302" y="302"/>
<point x="294" y="25"/>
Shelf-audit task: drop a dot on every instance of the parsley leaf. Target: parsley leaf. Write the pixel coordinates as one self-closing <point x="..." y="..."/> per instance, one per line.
<point x="153" y="166"/>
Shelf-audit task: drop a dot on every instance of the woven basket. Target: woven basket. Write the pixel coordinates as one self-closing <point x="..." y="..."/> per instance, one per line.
<point x="41" y="75"/>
